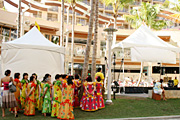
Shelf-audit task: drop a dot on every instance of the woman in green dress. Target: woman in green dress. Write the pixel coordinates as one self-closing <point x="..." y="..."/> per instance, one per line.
<point x="46" y="95"/>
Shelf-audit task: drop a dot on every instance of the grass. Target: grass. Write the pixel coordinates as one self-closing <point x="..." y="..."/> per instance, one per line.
<point x="122" y="108"/>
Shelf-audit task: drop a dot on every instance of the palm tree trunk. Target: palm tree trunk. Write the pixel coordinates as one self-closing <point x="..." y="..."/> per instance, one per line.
<point x="115" y="26"/>
<point x="62" y="24"/>
<point x="86" y="57"/>
<point x="67" y="39"/>
<point x="93" y="69"/>
<point x="72" y="39"/>
<point x="19" y="19"/>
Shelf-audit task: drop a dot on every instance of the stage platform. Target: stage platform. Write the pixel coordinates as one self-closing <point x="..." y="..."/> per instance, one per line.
<point x="141" y="90"/>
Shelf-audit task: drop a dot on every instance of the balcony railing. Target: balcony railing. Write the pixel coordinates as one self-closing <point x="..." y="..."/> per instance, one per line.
<point x="5" y="39"/>
<point x="159" y="0"/>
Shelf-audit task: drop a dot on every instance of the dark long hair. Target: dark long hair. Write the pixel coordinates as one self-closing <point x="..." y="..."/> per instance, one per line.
<point x="16" y="75"/>
<point x="89" y="79"/>
<point x="46" y="76"/>
<point x="69" y="80"/>
<point x="7" y="72"/>
<point x="98" y="78"/>
<point x="31" y="78"/>
<point x="24" y="75"/>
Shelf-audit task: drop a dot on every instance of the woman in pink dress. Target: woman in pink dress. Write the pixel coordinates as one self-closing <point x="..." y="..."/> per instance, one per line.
<point x="88" y="101"/>
<point x="100" y="100"/>
<point x="77" y="84"/>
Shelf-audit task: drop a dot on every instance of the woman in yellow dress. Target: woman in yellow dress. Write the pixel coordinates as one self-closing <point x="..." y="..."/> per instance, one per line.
<point x="24" y="83"/>
<point x="66" y="107"/>
<point x="41" y="95"/>
<point x="17" y="83"/>
<point x="30" y="98"/>
<point x="37" y="89"/>
<point x="57" y="96"/>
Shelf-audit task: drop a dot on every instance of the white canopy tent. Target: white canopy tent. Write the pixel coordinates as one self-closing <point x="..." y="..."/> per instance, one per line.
<point x="145" y="46"/>
<point x="33" y="53"/>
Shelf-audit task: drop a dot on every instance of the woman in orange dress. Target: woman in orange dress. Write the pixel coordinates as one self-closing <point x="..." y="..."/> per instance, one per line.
<point x="30" y="98"/>
<point x="17" y="83"/>
<point x="66" y="107"/>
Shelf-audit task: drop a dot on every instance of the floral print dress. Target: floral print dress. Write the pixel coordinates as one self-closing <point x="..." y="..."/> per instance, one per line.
<point x="23" y="92"/>
<point x="47" y="100"/>
<point x="30" y="101"/>
<point x="99" y="97"/>
<point x="37" y="93"/>
<point x="56" y="99"/>
<point x="76" y="102"/>
<point x="66" y="107"/>
<point x="41" y="97"/>
<point x="89" y="101"/>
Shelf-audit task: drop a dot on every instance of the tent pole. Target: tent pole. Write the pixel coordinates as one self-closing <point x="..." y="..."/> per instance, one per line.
<point x="179" y="67"/>
<point x="140" y="74"/>
<point x="123" y="71"/>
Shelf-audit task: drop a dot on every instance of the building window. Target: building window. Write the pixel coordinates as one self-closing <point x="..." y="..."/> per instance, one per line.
<point x="81" y="21"/>
<point x="109" y="14"/>
<point x="13" y="33"/>
<point x="53" y="8"/>
<point x="47" y="36"/>
<point x="52" y="17"/>
<point x="38" y="14"/>
<point x="55" y="39"/>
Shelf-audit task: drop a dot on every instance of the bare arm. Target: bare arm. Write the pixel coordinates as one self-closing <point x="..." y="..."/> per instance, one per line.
<point x="30" y="92"/>
<point x="1" y="83"/>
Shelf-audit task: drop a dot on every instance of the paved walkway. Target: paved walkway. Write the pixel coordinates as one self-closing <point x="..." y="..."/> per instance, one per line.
<point x="175" y="117"/>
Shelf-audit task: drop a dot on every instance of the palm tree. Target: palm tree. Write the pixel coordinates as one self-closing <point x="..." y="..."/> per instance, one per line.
<point x="87" y="52"/>
<point x="73" y="5"/>
<point x="147" y="13"/>
<point x="19" y="19"/>
<point x="117" y="5"/>
<point x="93" y="67"/>
<point x="62" y="23"/>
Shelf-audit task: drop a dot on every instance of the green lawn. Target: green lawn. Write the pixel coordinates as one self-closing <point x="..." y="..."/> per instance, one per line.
<point x="122" y="108"/>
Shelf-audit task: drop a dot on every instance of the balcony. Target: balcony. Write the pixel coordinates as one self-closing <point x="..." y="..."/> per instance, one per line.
<point x="123" y="10"/>
<point x="4" y="38"/>
<point x="159" y="0"/>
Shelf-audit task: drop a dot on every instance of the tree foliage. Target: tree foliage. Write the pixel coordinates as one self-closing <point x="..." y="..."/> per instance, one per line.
<point x="146" y="13"/>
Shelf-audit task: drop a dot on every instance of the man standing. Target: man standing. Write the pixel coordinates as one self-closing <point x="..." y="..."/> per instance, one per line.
<point x="101" y="75"/>
<point x="176" y="82"/>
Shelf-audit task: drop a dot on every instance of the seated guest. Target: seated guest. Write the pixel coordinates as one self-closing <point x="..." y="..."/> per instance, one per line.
<point x="158" y="89"/>
<point x="176" y="82"/>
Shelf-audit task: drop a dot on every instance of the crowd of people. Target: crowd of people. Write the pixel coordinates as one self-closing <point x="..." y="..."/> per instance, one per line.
<point x="57" y="99"/>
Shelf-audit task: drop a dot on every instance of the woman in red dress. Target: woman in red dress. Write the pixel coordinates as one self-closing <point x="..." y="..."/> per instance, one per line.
<point x="89" y="101"/>
<point x="100" y="100"/>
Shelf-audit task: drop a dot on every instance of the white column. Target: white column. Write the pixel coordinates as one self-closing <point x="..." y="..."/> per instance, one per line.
<point x="22" y="24"/>
<point x="109" y="101"/>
